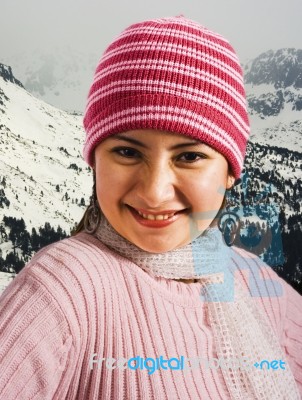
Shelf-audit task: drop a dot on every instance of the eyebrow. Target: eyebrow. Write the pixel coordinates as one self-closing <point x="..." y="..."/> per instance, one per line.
<point x="138" y="143"/>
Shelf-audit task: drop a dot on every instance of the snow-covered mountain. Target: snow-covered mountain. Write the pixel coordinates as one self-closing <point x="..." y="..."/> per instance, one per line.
<point x="274" y="94"/>
<point x="60" y="76"/>
<point x="42" y="174"/>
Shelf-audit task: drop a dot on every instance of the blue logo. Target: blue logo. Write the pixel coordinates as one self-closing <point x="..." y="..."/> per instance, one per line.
<point x="259" y="234"/>
<point x="274" y="365"/>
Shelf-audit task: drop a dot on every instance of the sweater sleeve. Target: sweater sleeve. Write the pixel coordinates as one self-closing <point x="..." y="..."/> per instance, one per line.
<point x="292" y="335"/>
<point x="35" y="342"/>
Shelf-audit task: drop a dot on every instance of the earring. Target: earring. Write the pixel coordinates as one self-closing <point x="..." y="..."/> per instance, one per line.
<point x="92" y="218"/>
<point x="93" y="213"/>
<point x="228" y="225"/>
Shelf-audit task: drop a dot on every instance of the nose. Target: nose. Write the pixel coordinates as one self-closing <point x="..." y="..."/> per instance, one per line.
<point x="156" y="185"/>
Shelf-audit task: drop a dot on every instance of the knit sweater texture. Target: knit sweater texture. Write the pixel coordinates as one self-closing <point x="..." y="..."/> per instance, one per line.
<point x="77" y="298"/>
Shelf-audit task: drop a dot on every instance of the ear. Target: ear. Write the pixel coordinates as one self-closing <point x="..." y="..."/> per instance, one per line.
<point x="230" y="181"/>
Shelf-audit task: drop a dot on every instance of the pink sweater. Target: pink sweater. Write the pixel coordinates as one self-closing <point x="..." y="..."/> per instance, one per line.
<point x="77" y="298"/>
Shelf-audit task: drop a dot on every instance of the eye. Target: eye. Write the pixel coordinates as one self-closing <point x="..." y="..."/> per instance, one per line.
<point x="192" y="157"/>
<point x="125" y="152"/>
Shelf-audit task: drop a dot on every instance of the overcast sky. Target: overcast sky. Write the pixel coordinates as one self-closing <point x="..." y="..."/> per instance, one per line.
<point x="252" y="26"/>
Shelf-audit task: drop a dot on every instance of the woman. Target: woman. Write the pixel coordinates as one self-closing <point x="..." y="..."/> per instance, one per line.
<point x="146" y="301"/>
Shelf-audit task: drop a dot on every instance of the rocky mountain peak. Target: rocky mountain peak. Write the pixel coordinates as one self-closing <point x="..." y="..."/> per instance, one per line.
<point x="282" y="68"/>
<point x="7" y="74"/>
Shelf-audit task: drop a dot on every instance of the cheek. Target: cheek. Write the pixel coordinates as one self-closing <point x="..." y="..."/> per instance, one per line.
<point x="206" y="197"/>
<point x="111" y="185"/>
<point x="206" y="192"/>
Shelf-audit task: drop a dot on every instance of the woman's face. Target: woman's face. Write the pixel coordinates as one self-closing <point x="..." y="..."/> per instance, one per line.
<point x="162" y="173"/>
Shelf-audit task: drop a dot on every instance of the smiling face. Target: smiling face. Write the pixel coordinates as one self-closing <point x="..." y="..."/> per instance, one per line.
<point x="169" y="178"/>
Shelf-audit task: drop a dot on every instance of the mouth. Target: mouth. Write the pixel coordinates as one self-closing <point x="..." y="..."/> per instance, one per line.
<point x="157" y="217"/>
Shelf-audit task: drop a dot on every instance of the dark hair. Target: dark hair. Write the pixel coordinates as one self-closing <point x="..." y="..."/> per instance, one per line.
<point x="93" y="198"/>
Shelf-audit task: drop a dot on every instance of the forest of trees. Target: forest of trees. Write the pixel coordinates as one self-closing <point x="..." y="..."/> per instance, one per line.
<point x="25" y="243"/>
<point x="276" y="201"/>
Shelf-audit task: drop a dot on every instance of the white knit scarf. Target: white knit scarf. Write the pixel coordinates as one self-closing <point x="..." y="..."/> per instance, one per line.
<point x="240" y="329"/>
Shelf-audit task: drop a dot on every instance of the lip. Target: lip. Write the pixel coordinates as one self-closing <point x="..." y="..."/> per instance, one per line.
<point x="155" y="224"/>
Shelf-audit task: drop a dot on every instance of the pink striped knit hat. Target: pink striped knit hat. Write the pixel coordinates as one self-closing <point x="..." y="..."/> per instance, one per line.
<point x="174" y="75"/>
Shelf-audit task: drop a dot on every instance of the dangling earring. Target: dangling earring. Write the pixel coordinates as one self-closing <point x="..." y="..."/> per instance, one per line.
<point x="93" y="213"/>
<point x="229" y="223"/>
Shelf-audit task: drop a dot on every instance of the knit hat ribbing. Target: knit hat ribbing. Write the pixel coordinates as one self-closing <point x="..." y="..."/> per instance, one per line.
<point x="174" y="75"/>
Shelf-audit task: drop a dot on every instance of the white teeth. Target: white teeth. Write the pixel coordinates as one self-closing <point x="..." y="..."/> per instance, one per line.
<point x="155" y="217"/>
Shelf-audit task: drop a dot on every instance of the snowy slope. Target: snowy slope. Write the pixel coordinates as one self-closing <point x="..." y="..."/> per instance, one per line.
<point x="38" y="145"/>
<point x="5" y="279"/>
